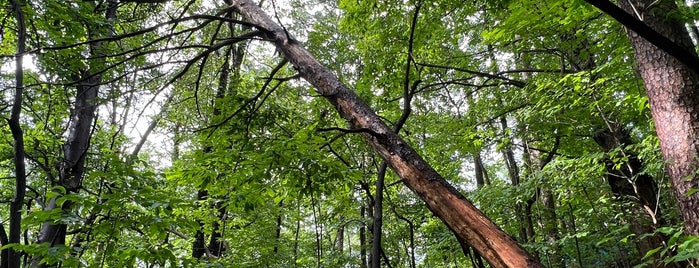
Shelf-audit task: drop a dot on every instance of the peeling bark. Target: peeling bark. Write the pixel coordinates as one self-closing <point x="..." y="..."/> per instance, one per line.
<point x="458" y="213"/>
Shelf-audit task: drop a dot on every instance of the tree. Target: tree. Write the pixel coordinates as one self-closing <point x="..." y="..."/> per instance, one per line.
<point x="71" y="170"/>
<point x="534" y="114"/>
<point x="467" y="222"/>
<point x="671" y="92"/>
<point x="11" y="257"/>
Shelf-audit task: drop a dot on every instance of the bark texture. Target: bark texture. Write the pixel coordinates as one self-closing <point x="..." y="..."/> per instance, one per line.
<point x="467" y="222"/>
<point x="674" y="101"/>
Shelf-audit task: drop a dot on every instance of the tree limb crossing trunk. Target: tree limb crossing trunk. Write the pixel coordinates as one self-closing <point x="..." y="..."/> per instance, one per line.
<point x="674" y="101"/>
<point x="457" y="212"/>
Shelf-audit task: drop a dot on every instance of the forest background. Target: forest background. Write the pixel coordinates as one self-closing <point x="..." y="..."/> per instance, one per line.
<point x="155" y="133"/>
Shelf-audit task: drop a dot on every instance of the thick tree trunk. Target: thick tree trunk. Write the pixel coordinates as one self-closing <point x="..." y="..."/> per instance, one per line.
<point x="457" y="212"/>
<point x="674" y="100"/>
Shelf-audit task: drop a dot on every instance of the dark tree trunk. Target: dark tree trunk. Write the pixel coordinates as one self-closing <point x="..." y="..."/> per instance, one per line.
<point x="12" y="258"/>
<point x="230" y="69"/>
<point x="674" y="101"/>
<point x="362" y="239"/>
<point x="550" y="228"/>
<point x="479" y="170"/>
<point x="278" y="229"/>
<point x="457" y="212"/>
<point x="199" y="244"/>
<point x="377" y="223"/>
<point x="72" y="166"/>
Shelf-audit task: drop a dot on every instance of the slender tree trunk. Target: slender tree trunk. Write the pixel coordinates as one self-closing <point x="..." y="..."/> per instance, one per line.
<point x="672" y="89"/>
<point x="318" y="231"/>
<point x="339" y="242"/>
<point x="513" y="173"/>
<point x="550" y="227"/>
<point x="528" y="215"/>
<point x="362" y="239"/>
<point x="548" y="220"/>
<point x="199" y="244"/>
<point x="278" y="229"/>
<point x="11" y="257"/>
<point x="296" y="234"/>
<point x="5" y="255"/>
<point x="447" y="203"/>
<point x="410" y="250"/>
<point x="407" y="99"/>
<point x="480" y="172"/>
<point x="377" y="223"/>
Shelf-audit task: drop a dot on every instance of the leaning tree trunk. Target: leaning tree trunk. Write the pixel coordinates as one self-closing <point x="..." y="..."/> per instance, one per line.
<point x="674" y="101"/>
<point x="463" y="218"/>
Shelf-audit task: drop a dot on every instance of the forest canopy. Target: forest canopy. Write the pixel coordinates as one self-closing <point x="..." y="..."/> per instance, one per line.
<point x="349" y="133"/>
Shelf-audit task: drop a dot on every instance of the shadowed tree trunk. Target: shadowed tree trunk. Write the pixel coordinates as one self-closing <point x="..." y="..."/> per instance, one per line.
<point x="481" y="173"/>
<point x="469" y="224"/>
<point x="628" y="180"/>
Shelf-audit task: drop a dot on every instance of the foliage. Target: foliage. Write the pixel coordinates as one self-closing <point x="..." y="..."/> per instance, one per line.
<point x="285" y="183"/>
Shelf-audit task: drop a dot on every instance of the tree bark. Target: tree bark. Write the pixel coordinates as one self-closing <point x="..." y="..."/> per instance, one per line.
<point x="457" y="212"/>
<point x="229" y="73"/>
<point x="674" y="101"/>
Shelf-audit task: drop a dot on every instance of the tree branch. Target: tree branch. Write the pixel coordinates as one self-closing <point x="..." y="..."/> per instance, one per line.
<point x="689" y="58"/>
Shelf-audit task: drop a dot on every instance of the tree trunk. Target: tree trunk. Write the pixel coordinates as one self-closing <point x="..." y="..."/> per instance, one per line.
<point x="457" y="212"/>
<point x="672" y="92"/>
<point x="12" y="258"/>
<point x="377" y="223"/>
<point x="480" y="172"/>
<point x="550" y="227"/>
<point x="230" y="70"/>
<point x="72" y="166"/>
<point x="362" y="239"/>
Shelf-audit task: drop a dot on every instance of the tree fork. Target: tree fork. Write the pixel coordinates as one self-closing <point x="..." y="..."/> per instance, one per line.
<point x="467" y="222"/>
